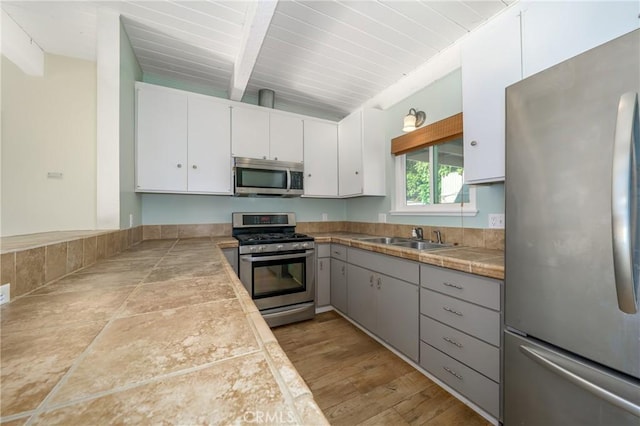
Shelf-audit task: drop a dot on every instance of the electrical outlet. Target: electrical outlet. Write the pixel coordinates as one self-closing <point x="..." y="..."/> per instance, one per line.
<point x="5" y="293"/>
<point x="325" y="217"/>
<point x="496" y="220"/>
<point x="382" y="218"/>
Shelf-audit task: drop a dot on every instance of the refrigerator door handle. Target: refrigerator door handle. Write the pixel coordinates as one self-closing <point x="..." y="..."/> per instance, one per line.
<point x="563" y="368"/>
<point x="624" y="198"/>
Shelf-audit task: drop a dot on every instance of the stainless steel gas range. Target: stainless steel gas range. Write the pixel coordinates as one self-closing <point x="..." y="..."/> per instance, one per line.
<point x="276" y="266"/>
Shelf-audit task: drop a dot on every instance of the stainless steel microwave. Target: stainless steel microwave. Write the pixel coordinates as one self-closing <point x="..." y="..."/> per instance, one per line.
<point x="267" y="177"/>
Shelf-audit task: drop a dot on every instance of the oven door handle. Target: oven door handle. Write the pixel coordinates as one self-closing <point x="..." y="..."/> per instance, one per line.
<point x="246" y="258"/>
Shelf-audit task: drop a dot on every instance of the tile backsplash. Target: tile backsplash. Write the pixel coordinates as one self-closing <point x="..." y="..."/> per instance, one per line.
<point x="470" y="237"/>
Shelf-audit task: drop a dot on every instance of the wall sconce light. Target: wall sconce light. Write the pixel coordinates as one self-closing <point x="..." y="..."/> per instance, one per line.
<point x="413" y="120"/>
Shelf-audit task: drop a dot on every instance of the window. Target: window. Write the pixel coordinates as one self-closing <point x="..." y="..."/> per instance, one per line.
<point x="430" y="181"/>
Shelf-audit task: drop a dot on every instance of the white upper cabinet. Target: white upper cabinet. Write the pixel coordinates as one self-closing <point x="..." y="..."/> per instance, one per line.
<point x="266" y="134"/>
<point x="183" y="142"/>
<point x="286" y="137"/>
<point x="249" y="132"/>
<point x="161" y="139"/>
<point x="529" y="37"/>
<point x="555" y="31"/>
<point x="361" y="154"/>
<point x="209" y="146"/>
<point x="320" y="159"/>
<point x="491" y="61"/>
<point x="350" y="155"/>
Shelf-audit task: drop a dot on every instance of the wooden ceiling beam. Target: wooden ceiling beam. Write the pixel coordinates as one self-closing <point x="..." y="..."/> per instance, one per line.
<point x="258" y="19"/>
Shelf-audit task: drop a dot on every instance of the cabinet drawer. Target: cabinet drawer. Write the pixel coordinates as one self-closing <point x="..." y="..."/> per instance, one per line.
<point x="471" y="384"/>
<point x="469" y="287"/>
<point x="339" y="251"/>
<point x="472" y="319"/>
<point x="388" y="265"/>
<point x="473" y="352"/>
<point x="323" y="250"/>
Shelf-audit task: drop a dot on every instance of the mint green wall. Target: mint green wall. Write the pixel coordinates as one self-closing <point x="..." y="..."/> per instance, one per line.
<point x="182" y="85"/>
<point x="247" y="99"/>
<point x="167" y="209"/>
<point x="439" y="100"/>
<point x="130" y="72"/>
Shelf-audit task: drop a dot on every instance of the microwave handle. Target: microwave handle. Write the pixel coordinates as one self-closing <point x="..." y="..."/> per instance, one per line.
<point x="288" y="179"/>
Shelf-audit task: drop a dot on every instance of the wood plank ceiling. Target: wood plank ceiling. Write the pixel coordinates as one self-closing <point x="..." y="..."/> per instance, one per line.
<point x="327" y="57"/>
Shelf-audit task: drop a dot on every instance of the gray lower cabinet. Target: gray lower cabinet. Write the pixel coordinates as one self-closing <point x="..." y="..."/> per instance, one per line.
<point x="323" y="275"/>
<point x="232" y="257"/>
<point x="398" y="318"/>
<point x="460" y="333"/>
<point x="338" y="273"/>
<point x="385" y="305"/>
<point x="361" y="296"/>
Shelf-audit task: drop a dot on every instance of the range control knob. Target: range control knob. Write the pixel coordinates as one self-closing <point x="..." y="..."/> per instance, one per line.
<point x="295" y="246"/>
<point x="253" y="249"/>
<point x="279" y="247"/>
<point x="305" y="245"/>
<point x="260" y="248"/>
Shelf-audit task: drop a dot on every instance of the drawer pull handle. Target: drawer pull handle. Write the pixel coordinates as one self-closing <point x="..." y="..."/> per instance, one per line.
<point x="448" y="309"/>
<point x="459" y="287"/>
<point x="453" y="373"/>
<point x="453" y="342"/>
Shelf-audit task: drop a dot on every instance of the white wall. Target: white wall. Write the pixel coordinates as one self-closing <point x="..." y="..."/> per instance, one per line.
<point x="49" y="125"/>
<point x="130" y="72"/>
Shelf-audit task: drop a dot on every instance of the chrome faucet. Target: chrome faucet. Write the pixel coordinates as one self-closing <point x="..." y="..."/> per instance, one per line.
<point x="438" y="236"/>
<point x="418" y="233"/>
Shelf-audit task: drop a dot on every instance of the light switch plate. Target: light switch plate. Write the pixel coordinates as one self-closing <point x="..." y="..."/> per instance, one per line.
<point x="382" y="218"/>
<point x="325" y="217"/>
<point x="496" y="220"/>
<point x="5" y="293"/>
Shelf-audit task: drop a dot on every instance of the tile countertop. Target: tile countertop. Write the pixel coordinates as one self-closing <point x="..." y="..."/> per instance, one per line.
<point x="479" y="261"/>
<point x="162" y="333"/>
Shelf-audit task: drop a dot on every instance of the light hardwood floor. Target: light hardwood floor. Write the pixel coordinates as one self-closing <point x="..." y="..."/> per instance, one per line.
<point x="355" y="380"/>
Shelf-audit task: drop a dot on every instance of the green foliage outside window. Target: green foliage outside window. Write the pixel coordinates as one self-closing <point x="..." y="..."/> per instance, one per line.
<point x="418" y="186"/>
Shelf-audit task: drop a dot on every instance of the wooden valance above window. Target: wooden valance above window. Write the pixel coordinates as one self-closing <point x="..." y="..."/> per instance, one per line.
<point x="439" y="132"/>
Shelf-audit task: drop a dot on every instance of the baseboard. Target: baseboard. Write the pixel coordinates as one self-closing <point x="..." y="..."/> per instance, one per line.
<point x="321" y="309"/>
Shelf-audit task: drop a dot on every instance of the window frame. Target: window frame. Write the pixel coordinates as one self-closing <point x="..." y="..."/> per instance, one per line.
<point x="448" y="209"/>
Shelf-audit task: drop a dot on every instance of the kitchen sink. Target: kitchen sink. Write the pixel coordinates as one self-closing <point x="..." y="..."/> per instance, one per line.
<point x="384" y="240"/>
<point x="422" y="245"/>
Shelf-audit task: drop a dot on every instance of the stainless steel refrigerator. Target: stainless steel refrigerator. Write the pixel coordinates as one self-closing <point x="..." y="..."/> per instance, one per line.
<point x="572" y="335"/>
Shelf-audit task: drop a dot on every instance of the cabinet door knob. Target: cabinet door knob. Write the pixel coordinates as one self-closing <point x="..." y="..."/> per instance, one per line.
<point x="179" y="165"/>
<point x="194" y="166"/>
<point x="275" y="158"/>
<point x="474" y="143"/>
<point x="264" y="157"/>
<point x="309" y="175"/>
<point x="356" y="172"/>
